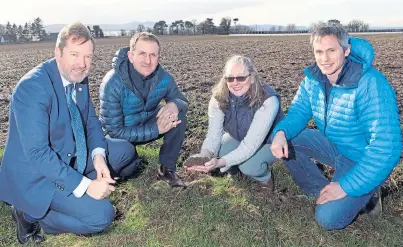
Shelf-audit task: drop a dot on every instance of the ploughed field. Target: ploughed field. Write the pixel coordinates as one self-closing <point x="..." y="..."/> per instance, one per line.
<point x="197" y="62"/>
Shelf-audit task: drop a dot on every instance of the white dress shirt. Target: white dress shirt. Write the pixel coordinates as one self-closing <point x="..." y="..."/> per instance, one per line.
<point x="85" y="182"/>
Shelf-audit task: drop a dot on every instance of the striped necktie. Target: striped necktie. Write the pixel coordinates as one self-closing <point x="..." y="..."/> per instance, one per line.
<point x="78" y="130"/>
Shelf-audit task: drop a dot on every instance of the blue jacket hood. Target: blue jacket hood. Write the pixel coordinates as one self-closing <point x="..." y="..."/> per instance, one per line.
<point x="362" y="52"/>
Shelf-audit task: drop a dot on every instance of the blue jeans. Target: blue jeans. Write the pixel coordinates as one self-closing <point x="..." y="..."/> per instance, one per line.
<point x="309" y="144"/>
<point x="256" y="167"/>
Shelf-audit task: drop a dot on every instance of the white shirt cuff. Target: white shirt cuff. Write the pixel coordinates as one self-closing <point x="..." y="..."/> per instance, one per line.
<point x="82" y="187"/>
<point x="98" y="151"/>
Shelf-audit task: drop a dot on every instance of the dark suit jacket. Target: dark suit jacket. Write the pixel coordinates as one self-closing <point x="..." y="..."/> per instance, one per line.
<point x="40" y="140"/>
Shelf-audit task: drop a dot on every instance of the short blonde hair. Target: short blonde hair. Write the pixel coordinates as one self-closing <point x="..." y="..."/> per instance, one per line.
<point x="143" y="36"/>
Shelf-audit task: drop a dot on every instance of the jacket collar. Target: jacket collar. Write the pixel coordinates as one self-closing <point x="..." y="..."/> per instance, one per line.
<point x="349" y="76"/>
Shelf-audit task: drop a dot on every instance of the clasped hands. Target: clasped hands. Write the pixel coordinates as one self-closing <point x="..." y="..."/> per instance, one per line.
<point x="167" y="118"/>
<point x="104" y="184"/>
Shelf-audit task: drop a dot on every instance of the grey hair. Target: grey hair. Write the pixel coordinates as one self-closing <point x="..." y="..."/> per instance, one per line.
<point x="77" y="31"/>
<point x="326" y="29"/>
<point x="256" y="94"/>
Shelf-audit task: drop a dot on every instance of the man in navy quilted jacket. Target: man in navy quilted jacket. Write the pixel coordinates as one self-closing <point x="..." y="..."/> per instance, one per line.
<point x="130" y="96"/>
<point x="359" y="135"/>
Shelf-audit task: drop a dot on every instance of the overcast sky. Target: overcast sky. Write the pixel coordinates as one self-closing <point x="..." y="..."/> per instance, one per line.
<point x="276" y="12"/>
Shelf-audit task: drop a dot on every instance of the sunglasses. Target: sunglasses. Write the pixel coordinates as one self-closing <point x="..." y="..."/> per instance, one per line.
<point x="237" y="78"/>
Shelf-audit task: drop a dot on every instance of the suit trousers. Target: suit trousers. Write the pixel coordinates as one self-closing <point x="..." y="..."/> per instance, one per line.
<point x="86" y="215"/>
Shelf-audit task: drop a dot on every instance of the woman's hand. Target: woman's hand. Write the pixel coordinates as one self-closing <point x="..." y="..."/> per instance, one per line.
<point x="208" y="166"/>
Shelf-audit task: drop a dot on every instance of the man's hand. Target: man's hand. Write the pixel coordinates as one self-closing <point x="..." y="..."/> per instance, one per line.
<point x="167" y="118"/>
<point x="104" y="185"/>
<point x="331" y="192"/>
<point x="279" y="146"/>
<point x="100" y="167"/>
<point x="170" y="111"/>
<point x="208" y="166"/>
<point x="99" y="189"/>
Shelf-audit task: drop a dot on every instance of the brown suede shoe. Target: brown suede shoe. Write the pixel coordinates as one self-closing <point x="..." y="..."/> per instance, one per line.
<point x="170" y="177"/>
<point x="267" y="186"/>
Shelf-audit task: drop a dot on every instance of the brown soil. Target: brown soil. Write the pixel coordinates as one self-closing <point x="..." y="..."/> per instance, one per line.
<point x="196" y="64"/>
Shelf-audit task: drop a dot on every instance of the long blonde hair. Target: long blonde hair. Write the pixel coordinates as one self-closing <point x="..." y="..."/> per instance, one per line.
<point x="256" y="94"/>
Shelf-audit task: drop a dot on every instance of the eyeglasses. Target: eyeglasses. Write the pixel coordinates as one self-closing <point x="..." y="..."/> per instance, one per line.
<point x="237" y="78"/>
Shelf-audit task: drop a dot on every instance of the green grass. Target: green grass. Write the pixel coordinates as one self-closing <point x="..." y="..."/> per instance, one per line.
<point x="216" y="211"/>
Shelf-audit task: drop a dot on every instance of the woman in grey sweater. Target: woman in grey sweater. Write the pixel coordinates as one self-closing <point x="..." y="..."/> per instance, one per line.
<point x="242" y="112"/>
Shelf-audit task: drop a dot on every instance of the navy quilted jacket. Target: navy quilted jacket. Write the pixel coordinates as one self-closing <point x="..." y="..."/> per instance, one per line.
<point x="123" y="112"/>
<point x="360" y="117"/>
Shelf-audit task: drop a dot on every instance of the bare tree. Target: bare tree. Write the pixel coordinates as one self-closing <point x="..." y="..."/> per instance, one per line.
<point x="290" y="28"/>
<point x="357" y="26"/>
<point x="194" y="22"/>
<point x="141" y="28"/>
<point x="333" y="21"/>
<point x="2" y="31"/>
<point x="317" y="24"/>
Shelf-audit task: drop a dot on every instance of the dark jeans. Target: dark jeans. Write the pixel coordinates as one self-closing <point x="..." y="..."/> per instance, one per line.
<point x="122" y="159"/>
<point x="312" y="144"/>
<point x="172" y="142"/>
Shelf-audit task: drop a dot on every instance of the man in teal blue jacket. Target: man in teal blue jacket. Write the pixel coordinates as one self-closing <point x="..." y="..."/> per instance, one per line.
<point x="130" y="97"/>
<point x="359" y="135"/>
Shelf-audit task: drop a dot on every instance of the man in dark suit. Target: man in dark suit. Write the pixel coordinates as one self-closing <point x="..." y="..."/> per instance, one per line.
<point x="54" y="170"/>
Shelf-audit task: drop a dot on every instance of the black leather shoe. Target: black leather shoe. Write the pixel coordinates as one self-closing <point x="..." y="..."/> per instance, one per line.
<point x="26" y="230"/>
<point x="374" y="206"/>
<point x="170" y="177"/>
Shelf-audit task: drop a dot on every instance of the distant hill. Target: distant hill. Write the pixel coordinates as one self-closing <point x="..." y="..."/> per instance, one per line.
<point x="267" y="27"/>
<point x="55" y="28"/>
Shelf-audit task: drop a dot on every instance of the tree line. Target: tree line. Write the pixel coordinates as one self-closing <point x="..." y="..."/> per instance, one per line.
<point x="227" y="26"/>
<point x="34" y="30"/>
<point x="30" y="31"/>
<point x="354" y="25"/>
<point x="191" y="27"/>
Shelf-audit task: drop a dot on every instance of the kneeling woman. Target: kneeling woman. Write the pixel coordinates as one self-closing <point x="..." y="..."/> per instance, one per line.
<point x="246" y="109"/>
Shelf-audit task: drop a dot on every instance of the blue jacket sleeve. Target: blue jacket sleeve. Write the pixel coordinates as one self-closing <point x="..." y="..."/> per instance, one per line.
<point x="31" y="103"/>
<point x="176" y="96"/>
<point x="379" y="117"/>
<point x="112" y="116"/>
<point x="95" y="135"/>
<point x="298" y="114"/>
